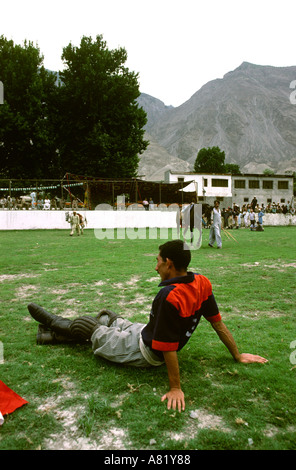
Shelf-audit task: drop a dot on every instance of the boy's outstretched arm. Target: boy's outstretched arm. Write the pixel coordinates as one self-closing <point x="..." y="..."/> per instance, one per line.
<point x="175" y="396"/>
<point x="227" y="338"/>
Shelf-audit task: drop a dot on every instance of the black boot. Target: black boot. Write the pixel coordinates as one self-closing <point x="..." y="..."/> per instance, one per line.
<point x="58" y="324"/>
<point x="47" y="336"/>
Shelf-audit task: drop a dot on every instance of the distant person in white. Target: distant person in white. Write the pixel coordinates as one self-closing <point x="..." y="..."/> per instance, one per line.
<point x="215" y="230"/>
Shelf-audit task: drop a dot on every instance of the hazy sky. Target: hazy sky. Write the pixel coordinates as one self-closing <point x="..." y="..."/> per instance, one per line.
<point x="175" y="46"/>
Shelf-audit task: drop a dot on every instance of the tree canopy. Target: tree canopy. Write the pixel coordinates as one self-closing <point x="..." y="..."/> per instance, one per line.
<point x="88" y="124"/>
<point x="101" y="122"/>
<point x="27" y="146"/>
<point x="212" y="160"/>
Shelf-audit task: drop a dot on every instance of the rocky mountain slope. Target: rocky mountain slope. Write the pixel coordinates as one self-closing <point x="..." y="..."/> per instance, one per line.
<point x="248" y="114"/>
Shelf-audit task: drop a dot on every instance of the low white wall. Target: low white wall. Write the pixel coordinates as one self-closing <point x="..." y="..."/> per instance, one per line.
<point x="278" y="219"/>
<point x="97" y="219"/>
<point x="31" y="219"/>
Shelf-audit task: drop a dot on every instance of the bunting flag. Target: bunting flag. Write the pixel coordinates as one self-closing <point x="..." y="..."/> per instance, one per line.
<point x="9" y="400"/>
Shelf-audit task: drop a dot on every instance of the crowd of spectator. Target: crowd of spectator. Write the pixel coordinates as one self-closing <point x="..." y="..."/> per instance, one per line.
<point x="273" y="208"/>
<point x="40" y="203"/>
<point x="250" y="214"/>
<point x="231" y="216"/>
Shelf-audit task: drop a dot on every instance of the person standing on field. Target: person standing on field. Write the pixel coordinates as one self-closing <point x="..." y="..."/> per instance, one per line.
<point x="215" y="230"/>
<point x="75" y="224"/>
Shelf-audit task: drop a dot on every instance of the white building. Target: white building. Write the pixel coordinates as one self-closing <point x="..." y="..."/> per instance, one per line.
<point x="266" y="189"/>
<point x="209" y="186"/>
<point x="239" y="189"/>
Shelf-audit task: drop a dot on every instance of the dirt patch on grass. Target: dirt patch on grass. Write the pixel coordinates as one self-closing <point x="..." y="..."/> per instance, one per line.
<point x="154" y="279"/>
<point x="280" y="266"/>
<point x="16" y="277"/>
<point x="199" y="419"/>
<point x="205" y="420"/>
<point x="140" y="299"/>
<point x="133" y="280"/>
<point x="71" y="438"/>
<point x="69" y="313"/>
<point x="99" y="283"/>
<point x="58" y="291"/>
<point x="131" y="283"/>
<point x="26" y="291"/>
<point x="111" y="439"/>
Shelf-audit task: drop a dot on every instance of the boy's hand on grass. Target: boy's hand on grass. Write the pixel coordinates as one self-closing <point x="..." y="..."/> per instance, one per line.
<point x="246" y="358"/>
<point x="175" y="398"/>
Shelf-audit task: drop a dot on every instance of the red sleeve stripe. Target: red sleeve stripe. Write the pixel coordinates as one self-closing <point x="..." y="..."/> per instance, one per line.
<point x="161" y="346"/>
<point x="188" y="298"/>
<point x="214" y="318"/>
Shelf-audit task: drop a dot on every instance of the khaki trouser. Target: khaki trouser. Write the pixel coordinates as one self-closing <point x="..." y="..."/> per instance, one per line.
<point x="75" y="227"/>
<point x="120" y="343"/>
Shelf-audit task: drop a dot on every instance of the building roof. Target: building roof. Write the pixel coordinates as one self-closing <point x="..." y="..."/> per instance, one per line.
<point x="229" y="174"/>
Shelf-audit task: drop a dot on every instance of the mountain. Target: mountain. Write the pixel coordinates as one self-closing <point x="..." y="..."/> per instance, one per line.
<point x="157" y="160"/>
<point x="247" y="113"/>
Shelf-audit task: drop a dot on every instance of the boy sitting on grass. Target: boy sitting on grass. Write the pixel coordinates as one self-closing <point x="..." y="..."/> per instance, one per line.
<point x="176" y="310"/>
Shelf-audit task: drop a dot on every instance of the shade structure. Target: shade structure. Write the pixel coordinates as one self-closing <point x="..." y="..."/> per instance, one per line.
<point x="190" y="188"/>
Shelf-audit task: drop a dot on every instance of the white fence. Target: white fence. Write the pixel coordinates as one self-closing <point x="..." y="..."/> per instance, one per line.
<point x="32" y="220"/>
<point x="100" y="219"/>
<point x="279" y="219"/>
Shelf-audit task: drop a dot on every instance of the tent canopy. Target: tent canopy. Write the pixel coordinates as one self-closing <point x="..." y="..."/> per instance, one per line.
<point x="106" y="190"/>
<point x="190" y="188"/>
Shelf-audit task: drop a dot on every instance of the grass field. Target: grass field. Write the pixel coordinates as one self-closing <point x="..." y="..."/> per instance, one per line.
<point x="77" y="401"/>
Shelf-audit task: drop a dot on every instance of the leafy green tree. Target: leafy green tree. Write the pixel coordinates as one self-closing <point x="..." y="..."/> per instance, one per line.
<point x="101" y="124"/>
<point x="268" y="172"/>
<point x="27" y="147"/>
<point x="210" y="160"/>
<point x="232" y="168"/>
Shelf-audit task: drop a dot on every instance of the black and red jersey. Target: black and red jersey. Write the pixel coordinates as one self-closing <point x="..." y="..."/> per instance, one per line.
<point x="176" y="312"/>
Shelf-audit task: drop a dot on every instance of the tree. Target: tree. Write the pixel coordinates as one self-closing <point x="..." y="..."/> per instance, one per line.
<point x="268" y="172"/>
<point x="27" y="147"/>
<point x="210" y="160"/>
<point x="232" y="169"/>
<point x="101" y="124"/>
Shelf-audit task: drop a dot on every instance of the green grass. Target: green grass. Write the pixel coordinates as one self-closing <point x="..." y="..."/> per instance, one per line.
<point x="78" y="401"/>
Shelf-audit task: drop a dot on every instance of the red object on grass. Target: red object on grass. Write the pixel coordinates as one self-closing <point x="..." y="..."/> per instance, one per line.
<point x="9" y="400"/>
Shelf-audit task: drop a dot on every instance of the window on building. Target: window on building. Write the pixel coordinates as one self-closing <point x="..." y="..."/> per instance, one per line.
<point x="267" y="184"/>
<point x="246" y="199"/>
<point x="219" y="183"/>
<point x="283" y="201"/>
<point x="240" y="184"/>
<point x="254" y="184"/>
<point x="205" y="181"/>
<point x="283" y="184"/>
<point x="180" y="179"/>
